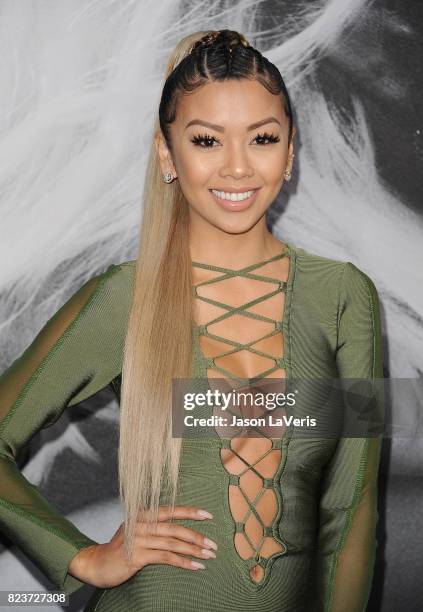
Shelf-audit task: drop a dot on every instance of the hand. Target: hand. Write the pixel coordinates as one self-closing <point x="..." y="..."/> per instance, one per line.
<point x="104" y="565"/>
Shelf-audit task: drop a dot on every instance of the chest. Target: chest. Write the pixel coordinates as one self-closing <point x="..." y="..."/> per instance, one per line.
<point x="239" y="321"/>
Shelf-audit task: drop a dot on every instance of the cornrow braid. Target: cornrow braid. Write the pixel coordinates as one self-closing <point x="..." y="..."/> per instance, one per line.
<point x="219" y="55"/>
<point x="229" y="38"/>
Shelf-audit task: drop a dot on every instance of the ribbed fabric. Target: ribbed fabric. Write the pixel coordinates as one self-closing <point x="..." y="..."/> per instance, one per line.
<point x="77" y="353"/>
<point x="253" y="464"/>
<point x="325" y="488"/>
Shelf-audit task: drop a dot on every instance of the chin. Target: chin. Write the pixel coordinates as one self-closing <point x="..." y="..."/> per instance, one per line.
<point x="237" y="224"/>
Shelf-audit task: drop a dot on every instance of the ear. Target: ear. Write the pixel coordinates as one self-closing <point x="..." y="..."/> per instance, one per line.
<point x="165" y="157"/>
<point x="290" y="159"/>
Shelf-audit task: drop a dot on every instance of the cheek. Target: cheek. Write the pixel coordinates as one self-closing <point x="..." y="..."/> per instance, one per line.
<point x="194" y="167"/>
<point x="270" y="167"/>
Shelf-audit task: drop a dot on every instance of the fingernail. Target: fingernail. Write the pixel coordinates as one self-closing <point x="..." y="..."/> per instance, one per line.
<point x="210" y="543"/>
<point x="197" y="565"/>
<point x="204" y="514"/>
<point x="208" y="553"/>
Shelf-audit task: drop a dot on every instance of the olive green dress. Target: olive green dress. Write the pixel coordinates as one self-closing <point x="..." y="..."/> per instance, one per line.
<point x="324" y="489"/>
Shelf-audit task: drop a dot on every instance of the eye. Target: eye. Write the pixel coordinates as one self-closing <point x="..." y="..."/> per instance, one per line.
<point x="271" y="138"/>
<point x="204" y="140"/>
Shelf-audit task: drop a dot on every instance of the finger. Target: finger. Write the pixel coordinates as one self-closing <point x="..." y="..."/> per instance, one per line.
<point x="183" y="512"/>
<point x="176" y="531"/>
<point x="169" y="558"/>
<point x="179" y="512"/>
<point x="175" y="545"/>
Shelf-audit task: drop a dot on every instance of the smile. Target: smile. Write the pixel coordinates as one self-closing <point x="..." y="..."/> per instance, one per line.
<point x="234" y="201"/>
<point x="233" y="196"/>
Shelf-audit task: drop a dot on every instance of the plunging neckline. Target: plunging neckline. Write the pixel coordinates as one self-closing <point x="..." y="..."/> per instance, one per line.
<point x="254" y="568"/>
<point x="280" y="325"/>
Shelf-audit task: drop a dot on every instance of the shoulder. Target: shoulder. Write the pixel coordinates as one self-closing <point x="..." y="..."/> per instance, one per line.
<point x="316" y="279"/>
<point x="332" y="281"/>
<point x="103" y="301"/>
<point x="121" y="272"/>
<point x="114" y="289"/>
<point x="117" y="280"/>
<point x="344" y="273"/>
<point x="358" y="289"/>
<point x="311" y="260"/>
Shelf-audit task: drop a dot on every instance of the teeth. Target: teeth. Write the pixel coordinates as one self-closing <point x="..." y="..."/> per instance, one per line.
<point x="233" y="197"/>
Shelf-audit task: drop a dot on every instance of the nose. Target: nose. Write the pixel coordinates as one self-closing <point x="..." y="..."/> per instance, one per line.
<point x="236" y="161"/>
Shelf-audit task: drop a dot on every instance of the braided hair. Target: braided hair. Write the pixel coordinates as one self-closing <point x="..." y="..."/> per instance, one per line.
<point x="219" y="55"/>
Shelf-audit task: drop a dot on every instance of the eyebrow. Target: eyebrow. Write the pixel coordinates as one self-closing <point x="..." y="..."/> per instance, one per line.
<point x="219" y="128"/>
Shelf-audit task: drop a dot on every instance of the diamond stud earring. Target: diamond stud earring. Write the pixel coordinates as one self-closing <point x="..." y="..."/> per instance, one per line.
<point x="167" y="177"/>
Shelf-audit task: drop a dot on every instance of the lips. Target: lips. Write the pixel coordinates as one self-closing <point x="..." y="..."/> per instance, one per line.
<point x="235" y="206"/>
<point x="235" y="189"/>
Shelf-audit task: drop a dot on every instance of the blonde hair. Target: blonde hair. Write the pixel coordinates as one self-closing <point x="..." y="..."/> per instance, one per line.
<point x="158" y="345"/>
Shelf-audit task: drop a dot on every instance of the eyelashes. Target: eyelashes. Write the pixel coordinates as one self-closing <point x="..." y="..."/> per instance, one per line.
<point x="201" y="139"/>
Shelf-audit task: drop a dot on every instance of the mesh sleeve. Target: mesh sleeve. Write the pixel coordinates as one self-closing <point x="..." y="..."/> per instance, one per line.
<point x="348" y="504"/>
<point x="76" y="353"/>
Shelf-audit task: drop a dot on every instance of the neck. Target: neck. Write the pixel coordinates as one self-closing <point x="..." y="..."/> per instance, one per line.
<point x="228" y="250"/>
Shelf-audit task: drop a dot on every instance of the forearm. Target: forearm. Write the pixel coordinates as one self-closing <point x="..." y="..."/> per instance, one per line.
<point x="347" y="533"/>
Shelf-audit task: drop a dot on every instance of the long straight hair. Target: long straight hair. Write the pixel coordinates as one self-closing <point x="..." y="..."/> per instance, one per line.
<point x="159" y="339"/>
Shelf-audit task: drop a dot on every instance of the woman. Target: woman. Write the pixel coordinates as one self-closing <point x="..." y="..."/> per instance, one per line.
<point x="287" y="523"/>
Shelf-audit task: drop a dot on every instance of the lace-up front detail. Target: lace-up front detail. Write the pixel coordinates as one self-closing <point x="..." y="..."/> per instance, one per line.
<point x="241" y="338"/>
